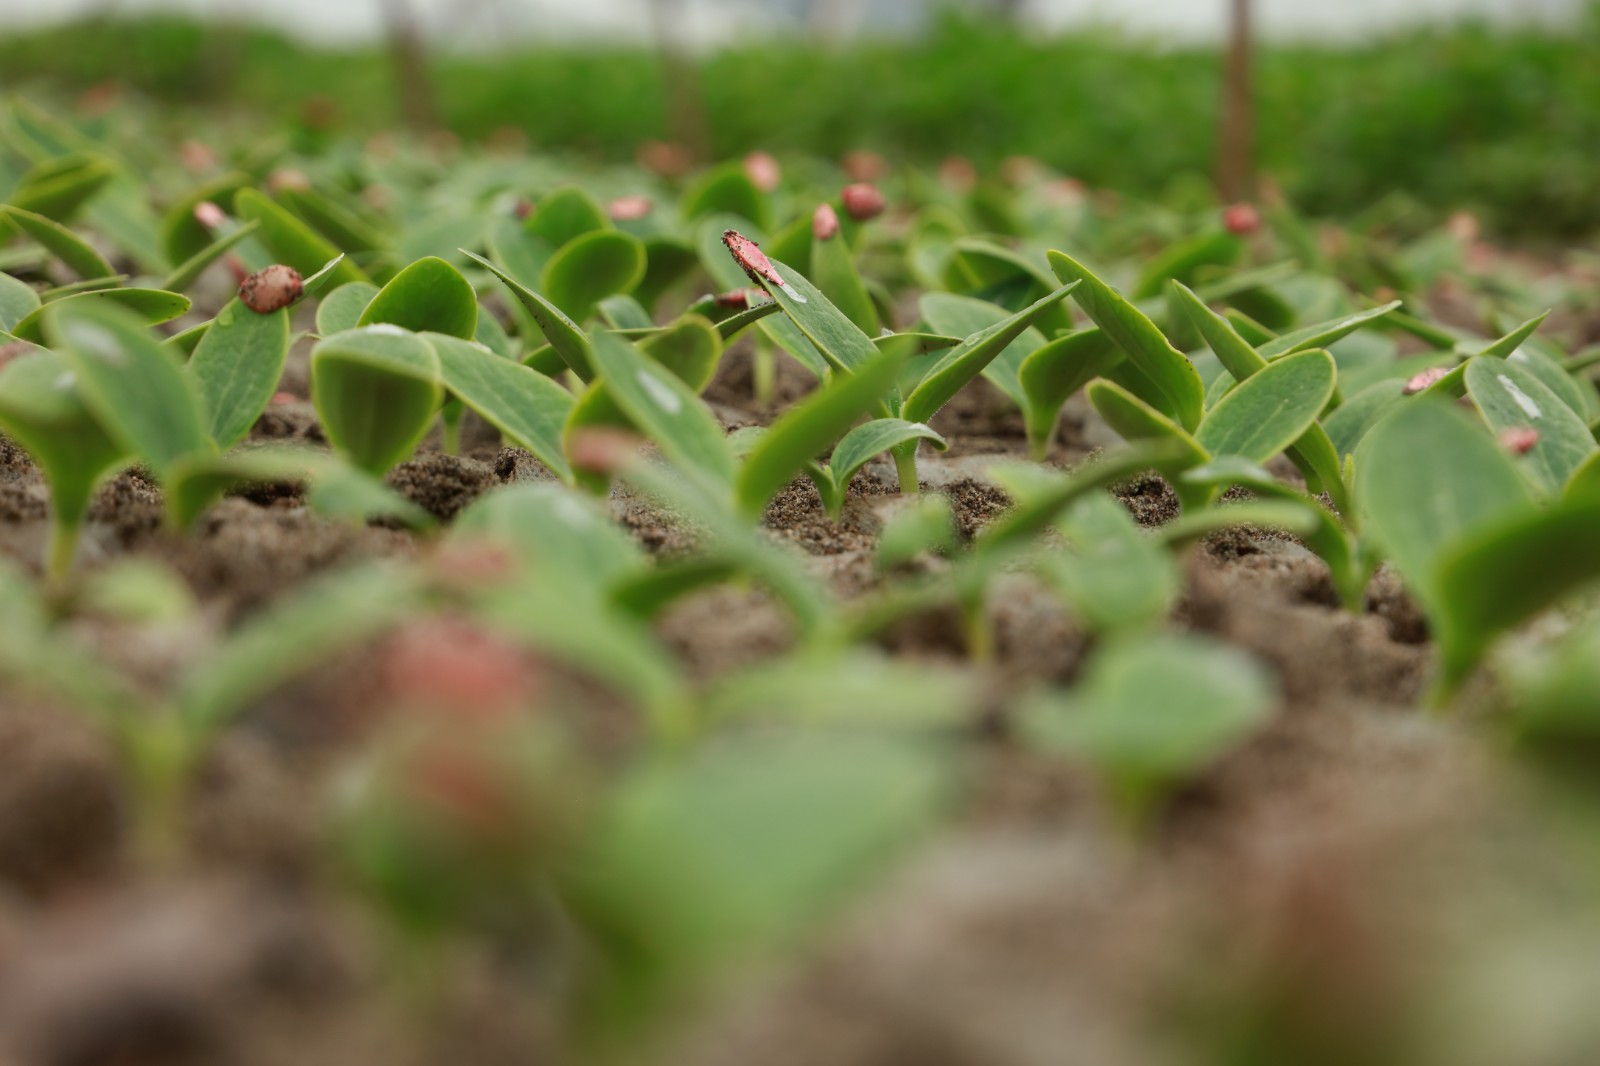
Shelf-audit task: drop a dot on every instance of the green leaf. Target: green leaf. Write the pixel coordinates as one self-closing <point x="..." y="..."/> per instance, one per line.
<point x="590" y="268"/>
<point x="833" y="270"/>
<point x="149" y="306"/>
<point x="376" y="390"/>
<point x="1116" y="577"/>
<point x="691" y="348"/>
<point x="136" y="390"/>
<point x="182" y="235"/>
<point x="623" y="313"/>
<point x="1180" y="394"/>
<point x="856" y="448"/>
<point x="1323" y="333"/>
<point x="1503" y="574"/>
<point x="563" y="334"/>
<point x="429" y="296"/>
<point x="58" y="188"/>
<point x="1152" y="713"/>
<point x="341" y="492"/>
<point x="1052" y="374"/>
<point x="1353" y="419"/>
<point x="1556" y="378"/>
<point x="856" y="691"/>
<point x="1426" y="476"/>
<point x="1037" y="509"/>
<point x="962" y="316"/>
<point x="194" y="481"/>
<point x="186" y="273"/>
<point x="1289" y="515"/>
<point x="664" y="408"/>
<point x="555" y="531"/>
<point x="1135" y="420"/>
<point x="726" y="190"/>
<point x="529" y="408"/>
<point x="1314" y="452"/>
<point x="1509" y="397"/>
<point x="810" y="428"/>
<point x="967" y="359"/>
<point x="668" y="260"/>
<point x="78" y="254"/>
<point x="289" y="240"/>
<point x="341" y="309"/>
<point x="565" y="215"/>
<point x="41" y="409"/>
<point x="1508" y="344"/>
<point x="1346" y="564"/>
<point x="744" y="844"/>
<point x="333" y="220"/>
<point x="839" y="340"/>
<point x="17" y="301"/>
<point x="1182" y="259"/>
<point x="237" y="366"/>
<point x="1269" y="411"/>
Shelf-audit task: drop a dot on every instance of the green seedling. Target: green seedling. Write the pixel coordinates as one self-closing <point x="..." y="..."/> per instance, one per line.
<point x="1447" y="505"/>
<point x="846" y="348"/>
<point x="1264" y="415"/>
<point x="150" y="306"/>
<point x="746" y="843"/>
<point x="1152" y="714"/>
<point x="18" y="300"/>
<point x="236" y="368"/>
<point x="1314" y="452"/>
<point x="59" y="188"/>
<point x="430" y="295"/>
<point x="1116" y="577"/>
<point x="1510" y="397"/>
<point x="1038" y="375"/>
<point x="376" y="389"/>
<point x="78" y="254"/>
<point x="528" y="408"/>
<point x="41" y="409"/>
<point x="591" y="268"/>
<point x="857" y="448"/>
<point x="1168" y="382"/>
<point x="822" y="422"/>
<point x="1349" y="563"/>
<point x="289" y="240"/>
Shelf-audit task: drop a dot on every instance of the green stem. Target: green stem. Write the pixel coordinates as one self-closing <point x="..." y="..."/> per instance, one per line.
<point x="905" y="464"/>
<point x="160" y="754"/>
<point x="63" y="548"/>
<point x="764" y="373"/>
<point x="450" y="429"/>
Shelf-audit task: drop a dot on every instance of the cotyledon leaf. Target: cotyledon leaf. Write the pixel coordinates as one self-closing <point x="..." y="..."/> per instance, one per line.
<point x="1180" y="392"/>
<point x="529" y="408"/>
<point x="1271" y="409"/>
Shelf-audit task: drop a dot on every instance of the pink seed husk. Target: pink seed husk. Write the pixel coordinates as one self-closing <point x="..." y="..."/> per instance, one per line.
<point x="271" y="289"/>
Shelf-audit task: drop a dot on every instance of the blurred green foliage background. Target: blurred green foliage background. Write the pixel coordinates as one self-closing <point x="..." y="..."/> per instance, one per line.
<point x="1506" y="123"/>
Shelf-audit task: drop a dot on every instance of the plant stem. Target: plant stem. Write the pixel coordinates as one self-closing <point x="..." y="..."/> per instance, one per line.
<point x="63" y="548"/>
<point x="764" y="373"/>
<point x="905" y="464"/>
<point x="160" y="754"/>
<point x="450" y="431"/>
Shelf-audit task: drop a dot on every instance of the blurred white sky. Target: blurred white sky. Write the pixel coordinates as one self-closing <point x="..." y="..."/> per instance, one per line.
<point x="466" y="21"/>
